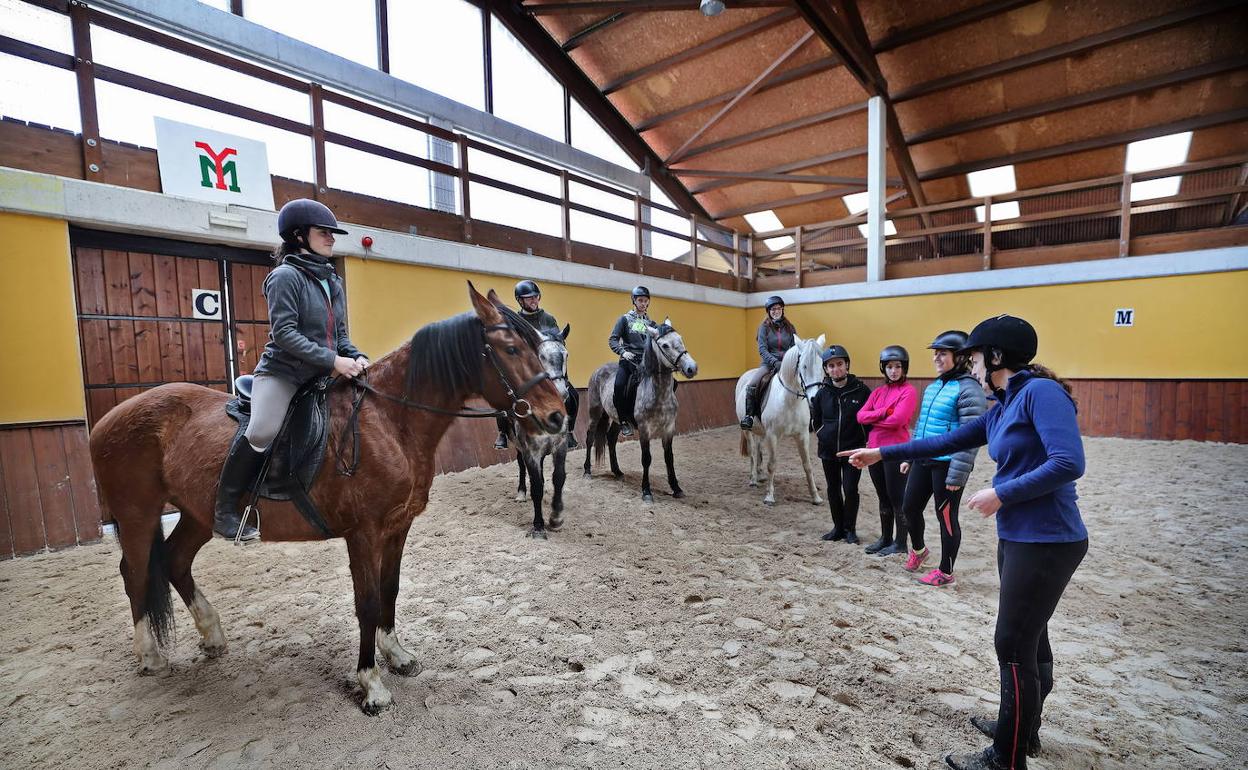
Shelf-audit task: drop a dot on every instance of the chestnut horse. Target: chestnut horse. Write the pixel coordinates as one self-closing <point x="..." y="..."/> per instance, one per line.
<point x="168" y="444"/>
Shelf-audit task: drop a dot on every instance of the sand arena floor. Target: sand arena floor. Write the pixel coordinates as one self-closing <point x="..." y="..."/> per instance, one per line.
<point x="704" y="632"/>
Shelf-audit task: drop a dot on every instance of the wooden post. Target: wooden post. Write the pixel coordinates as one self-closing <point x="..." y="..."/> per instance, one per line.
<point x="639" y="237"/>
<point x="1124" y="221"/>
<point x="318" y="140"/>
<point x="736" y="254"/>
<point x="464" y="200"/>
<point x="988" y="233"/>
<point x="797" y="255"/>
<point x="565" y="214"/>
<point x="84" y="69"/>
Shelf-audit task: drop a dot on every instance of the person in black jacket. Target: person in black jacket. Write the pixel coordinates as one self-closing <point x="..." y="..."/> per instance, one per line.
<point x="834" y="419"/>
<point x="307" y="339"/>
<point x="628" y="341"/>
<point x="776" y="334"/>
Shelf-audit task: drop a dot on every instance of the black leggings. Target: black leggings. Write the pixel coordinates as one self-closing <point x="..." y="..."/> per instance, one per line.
<point x="1033" y="577"/>
<point x="625" y="390"/>
<point x="890" y="487"/>
<point x="842" y="479"/>
<point x="926" y="481"/>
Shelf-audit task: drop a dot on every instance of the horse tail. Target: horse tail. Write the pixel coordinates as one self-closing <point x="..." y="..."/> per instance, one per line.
<point x="600" y="428"/>
<point x="745" y="445"/>
<point x="158" y="602"/>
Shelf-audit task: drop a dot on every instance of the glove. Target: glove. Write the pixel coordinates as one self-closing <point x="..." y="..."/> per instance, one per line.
<point x="775" y="366"/>
<point x="629" y="355"/>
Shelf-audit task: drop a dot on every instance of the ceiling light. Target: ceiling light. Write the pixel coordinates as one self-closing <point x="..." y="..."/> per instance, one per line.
<point x="711" y="7"/>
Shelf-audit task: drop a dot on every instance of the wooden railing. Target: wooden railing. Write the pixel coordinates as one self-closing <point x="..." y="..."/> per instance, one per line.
<point x="706" y="239"/>
<point x="1211" y="194"/>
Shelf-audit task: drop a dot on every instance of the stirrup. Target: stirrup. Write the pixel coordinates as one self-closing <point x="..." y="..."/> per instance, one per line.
<point x="500" y="443"/>
<point x="747" y="423"/>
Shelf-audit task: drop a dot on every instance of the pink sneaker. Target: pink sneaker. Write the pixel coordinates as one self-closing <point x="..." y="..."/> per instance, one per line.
<point x="916" y="559"/>
<point x="936" y="578"/>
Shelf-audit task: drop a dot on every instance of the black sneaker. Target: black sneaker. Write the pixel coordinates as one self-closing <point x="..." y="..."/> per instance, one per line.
<point x="836" y="534"/>
<point x="851" y="537"/>
<point x="989" y="727"/>
<point x="875" y="547"/>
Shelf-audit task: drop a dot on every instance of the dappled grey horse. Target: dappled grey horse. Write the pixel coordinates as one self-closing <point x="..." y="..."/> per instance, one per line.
<point x="655" y="410"/>
<point x="532" y="449"/>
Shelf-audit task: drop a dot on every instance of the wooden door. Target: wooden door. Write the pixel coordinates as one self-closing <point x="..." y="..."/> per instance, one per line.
<point x="249" y="314"/>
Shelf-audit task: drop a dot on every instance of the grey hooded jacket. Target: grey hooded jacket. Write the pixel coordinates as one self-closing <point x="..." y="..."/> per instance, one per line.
<point x="307" y="330"/>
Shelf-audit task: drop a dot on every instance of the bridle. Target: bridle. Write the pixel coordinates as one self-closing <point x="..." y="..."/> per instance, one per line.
<point x="671" y="364"/>
<point x="553" y="341"/>
<point x="520" y="406"/>
<point x="804" y="394"/>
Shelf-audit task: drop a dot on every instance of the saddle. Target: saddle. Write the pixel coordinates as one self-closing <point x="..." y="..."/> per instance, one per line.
<point x="298" y="451"/>
<point x="764" y="385"/>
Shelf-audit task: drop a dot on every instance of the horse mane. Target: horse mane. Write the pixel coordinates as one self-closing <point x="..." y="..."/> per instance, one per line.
<point x="649" y="357"/>
<point x="446" y="354"/>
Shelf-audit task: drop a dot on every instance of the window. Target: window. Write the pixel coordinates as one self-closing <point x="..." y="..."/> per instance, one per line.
<point x="347" y="28"/>
<point x="587" y="135"/>
<point x="857" y="203"/>
<point x="1159" y="152"/>
<point x="437" y="44"/>
<point x="524" y="92"/>
<point x="765" y="221"/>
<point x="994" y="181"/>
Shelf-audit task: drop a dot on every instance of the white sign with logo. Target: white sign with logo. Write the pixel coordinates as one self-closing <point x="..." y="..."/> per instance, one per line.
<point x="206" y="304"/>
<point x="209" y="165"/>
<point x="1124" y="316"/>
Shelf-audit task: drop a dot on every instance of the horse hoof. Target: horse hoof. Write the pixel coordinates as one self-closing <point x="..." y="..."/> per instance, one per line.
<point x="154" y="667"/>
<point x="212" y="650"/>
<point x="768" y="502"/>
<point x="817" y="501"/>
<point x="647" y="498"/>
<point x="587" y="475"/>
<point x="554" y="525"/>
<point x="375" y="707"/>
<point x="617" y="476"/>
<point x="521" y="497"/>
<point x="407" y="668"/>
<point x="753" y="483"/>
<point x="678" y="494"/>
<point x="536" y="534"/>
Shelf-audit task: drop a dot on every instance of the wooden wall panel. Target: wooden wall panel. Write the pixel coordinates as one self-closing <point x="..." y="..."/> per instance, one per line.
<point x="47" y="491"/>
<point x="21" y="490"/>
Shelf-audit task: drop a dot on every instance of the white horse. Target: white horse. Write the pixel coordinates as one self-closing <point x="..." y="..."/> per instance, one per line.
<point x="785" y="413"/>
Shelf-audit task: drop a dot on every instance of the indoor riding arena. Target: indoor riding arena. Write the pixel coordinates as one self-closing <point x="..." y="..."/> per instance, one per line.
<point x="368" y="203"/>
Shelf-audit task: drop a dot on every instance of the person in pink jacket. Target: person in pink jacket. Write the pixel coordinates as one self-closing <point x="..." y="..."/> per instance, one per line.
<point x="887" y="413"/>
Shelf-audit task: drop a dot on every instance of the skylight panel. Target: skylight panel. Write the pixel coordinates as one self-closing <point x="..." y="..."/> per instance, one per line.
<point x="857" y="203"/>
<point x="1158" y="152"/>
<point x="992" y="181"/>
<point x="766" y="221"/>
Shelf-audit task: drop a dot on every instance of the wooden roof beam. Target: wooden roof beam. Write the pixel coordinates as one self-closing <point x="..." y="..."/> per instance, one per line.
<point x="796" y="165"/>
<point x="1081" y="100"/>
<point x="1095" y="143"/>
<point x="639" y="6"/>
<point x="946" y="23"/>
<point x="756" y="176"/>
<point x="578" y="38"/>
<point x="714" y="44"/>
<point x="775" y="81"/>
<point x="750" y="88"/>
<point x="1082" y="45"/>
<point x="770" y="131"/>
<point x="796" y="200"/>
<point x="560" y="64"/>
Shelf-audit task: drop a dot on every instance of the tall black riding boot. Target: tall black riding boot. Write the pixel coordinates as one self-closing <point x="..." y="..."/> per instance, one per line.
<point x="886" y="532"/>
<point x="500" y="443"/>
<point x="572" y="405"/>
<point x="237" y="475"/>
<point x="751" y="407"/>
<point x="899" y="540"/>
<point x="838" y="523"/>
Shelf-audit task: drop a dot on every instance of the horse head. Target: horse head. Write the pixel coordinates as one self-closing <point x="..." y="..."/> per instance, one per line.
<point x="669" y="350"/>
<point x="512" y="376"/>
<point x="553" y="353"/>
<point x="808" y="363"/>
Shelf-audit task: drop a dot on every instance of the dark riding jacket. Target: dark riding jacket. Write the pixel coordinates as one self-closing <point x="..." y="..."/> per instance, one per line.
<point x="629" y="333"/>
<point x="307" y="329"/>
<point x="835" y="414"/>
<point x="541" y="320"/>
<point x="774" y="338"/>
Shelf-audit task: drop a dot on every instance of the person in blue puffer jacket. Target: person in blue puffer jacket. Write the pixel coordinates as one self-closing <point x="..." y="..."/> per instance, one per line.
<point x="954" y="399"/>
<point x="1033" y="435"/>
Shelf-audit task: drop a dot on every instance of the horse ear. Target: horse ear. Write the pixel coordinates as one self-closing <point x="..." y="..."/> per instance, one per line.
<point x="485" y="309"/>
<point x="797" y="340"/>
<point x="819" y="341"/>
<point x="567" y="331"/>
<point x="667" y="321"/>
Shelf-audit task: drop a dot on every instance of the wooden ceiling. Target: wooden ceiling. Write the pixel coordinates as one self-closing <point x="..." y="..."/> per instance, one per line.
<point x="764" y="106"/>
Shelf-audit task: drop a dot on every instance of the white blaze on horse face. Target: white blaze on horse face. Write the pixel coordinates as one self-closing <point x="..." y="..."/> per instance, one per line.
<point x="151" y="659"/>
<point x="208" y="623"/>
<point x="376" y="697"/>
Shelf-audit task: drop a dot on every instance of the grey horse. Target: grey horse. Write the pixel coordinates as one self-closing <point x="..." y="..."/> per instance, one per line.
<point x="654" y="410"/>
<point x="532" y="449"/>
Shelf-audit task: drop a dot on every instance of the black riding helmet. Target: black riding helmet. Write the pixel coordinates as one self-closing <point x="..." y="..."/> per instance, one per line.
<point x="527" y="288"/>
<point x="302" y="213"/>
<point x="640" y="291"/>
<point x="1008" y="336"/>
<point x="953" y="340"/>
<point x="835" y="351"/>
<point x="772" y="301"/>
<point x="895" y="353"/>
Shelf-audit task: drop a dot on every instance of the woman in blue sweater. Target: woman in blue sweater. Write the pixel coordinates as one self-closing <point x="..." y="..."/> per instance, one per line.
<point x="1033" y="436"/>
<point x="954" y="399"/>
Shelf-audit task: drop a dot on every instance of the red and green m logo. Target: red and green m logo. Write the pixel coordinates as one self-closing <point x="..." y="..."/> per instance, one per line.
<point x="214" y="168"/>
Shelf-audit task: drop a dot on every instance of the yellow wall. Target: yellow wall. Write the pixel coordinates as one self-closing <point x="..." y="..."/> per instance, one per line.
<point x="1188" y="326"/>
<point x="42" y="372"/>
<point x="389" y="301"/>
